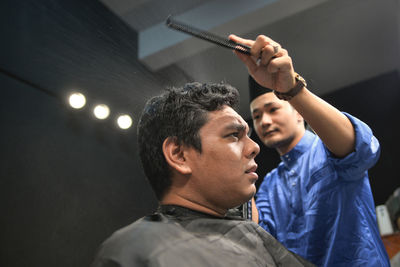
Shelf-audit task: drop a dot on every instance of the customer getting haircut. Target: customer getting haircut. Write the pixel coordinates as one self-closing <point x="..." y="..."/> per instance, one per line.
<point x="178" y="113"/>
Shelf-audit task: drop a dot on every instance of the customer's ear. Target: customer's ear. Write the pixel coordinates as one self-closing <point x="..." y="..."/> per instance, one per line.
<point x="174" y="154"/>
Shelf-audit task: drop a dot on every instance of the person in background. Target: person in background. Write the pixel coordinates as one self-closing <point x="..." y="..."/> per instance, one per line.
<point x="200" y="163"/>
<point x="317" y="202"/>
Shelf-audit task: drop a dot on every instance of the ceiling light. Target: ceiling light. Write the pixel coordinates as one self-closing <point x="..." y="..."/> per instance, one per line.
<point x="77" y="100"/>
<point x="124" y="121"/>
<point x="101" y="111"/>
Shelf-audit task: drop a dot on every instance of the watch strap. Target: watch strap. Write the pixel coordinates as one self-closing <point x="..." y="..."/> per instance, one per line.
<point x="300" y="84"/>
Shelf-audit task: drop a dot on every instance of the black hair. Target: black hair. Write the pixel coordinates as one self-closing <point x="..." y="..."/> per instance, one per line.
<point x="178" y="113"/>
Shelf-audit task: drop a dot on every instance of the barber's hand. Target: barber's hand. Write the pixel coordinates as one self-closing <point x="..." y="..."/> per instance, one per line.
<point x="269" y="64"/>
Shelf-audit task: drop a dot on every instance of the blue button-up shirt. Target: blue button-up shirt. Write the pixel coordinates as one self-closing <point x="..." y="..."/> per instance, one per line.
<point x="321" y="207"/>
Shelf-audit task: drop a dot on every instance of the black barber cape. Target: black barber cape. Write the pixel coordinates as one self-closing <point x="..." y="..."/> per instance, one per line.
<point x="175" y="236"/>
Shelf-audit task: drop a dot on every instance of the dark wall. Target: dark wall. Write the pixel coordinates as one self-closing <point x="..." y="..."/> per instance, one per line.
<point x="68" y="181"/>
<point x="375" y="102"/>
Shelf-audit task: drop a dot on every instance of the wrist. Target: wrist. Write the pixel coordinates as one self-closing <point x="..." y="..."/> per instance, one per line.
<point x="299" y="85"/>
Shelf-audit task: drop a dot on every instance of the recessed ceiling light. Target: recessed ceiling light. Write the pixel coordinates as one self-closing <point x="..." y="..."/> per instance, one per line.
<point x="77" y="100"/>
<point x="101" y="111"/>
<point x="124" y="121"/>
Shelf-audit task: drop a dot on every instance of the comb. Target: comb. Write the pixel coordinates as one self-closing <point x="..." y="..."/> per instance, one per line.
<point x="207" y="36"/>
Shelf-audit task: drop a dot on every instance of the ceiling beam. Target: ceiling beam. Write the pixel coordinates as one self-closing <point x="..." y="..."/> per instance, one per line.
<point x="160" y="46"/>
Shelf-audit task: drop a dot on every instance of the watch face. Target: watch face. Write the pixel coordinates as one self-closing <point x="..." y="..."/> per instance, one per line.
<point x="301" y="79"/>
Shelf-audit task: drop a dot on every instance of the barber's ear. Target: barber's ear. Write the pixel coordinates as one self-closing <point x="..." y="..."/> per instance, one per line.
<point x="299" y="117"/>
<point x="174" y="154"/>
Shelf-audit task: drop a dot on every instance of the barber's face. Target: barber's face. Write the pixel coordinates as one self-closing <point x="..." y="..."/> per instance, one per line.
<point x="224" y="172"/>
<point x="276" y="122"/>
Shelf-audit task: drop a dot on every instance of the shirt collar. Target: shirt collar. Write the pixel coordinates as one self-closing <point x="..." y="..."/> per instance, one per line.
<point x="290" y="158"/>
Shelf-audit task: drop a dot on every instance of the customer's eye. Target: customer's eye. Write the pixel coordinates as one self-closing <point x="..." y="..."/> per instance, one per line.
<point x="235" y="134"/>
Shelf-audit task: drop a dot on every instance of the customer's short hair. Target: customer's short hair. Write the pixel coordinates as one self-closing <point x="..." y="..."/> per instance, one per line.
<point x="178" y="113"/>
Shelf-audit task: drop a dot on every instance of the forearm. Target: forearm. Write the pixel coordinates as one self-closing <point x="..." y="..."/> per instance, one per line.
<point x="333" y="127"/>
<point x="274" y="69"/>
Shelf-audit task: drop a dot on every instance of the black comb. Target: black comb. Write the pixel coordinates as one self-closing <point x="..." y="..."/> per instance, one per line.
<point x="208" y="36"/>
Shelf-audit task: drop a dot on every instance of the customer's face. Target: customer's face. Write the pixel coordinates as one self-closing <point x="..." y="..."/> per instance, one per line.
<point x="276" y="122"/>
<point x="224" y="172"/>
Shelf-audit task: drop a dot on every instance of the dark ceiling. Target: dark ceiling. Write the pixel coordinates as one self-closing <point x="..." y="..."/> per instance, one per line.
<point x="333" y="43"/>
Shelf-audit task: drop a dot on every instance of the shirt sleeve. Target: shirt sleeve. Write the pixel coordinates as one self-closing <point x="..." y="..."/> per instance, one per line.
<point x="364" y="156"/>
<point x="265" y="215"/>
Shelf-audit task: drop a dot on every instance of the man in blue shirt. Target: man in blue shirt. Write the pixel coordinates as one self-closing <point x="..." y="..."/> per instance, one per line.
<point x="318" y="201"/>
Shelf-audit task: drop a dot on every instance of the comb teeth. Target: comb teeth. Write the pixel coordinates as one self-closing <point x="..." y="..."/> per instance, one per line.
<point x="207" y="36"/>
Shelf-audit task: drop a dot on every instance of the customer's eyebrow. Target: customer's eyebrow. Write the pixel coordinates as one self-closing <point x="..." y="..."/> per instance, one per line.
<point x="236" y="126"/>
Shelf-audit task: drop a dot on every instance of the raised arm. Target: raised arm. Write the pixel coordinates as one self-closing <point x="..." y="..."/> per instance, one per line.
<point x="271" y="66"/>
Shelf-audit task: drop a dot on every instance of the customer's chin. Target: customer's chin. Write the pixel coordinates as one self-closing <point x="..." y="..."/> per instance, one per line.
<point x="252" y="192"/>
